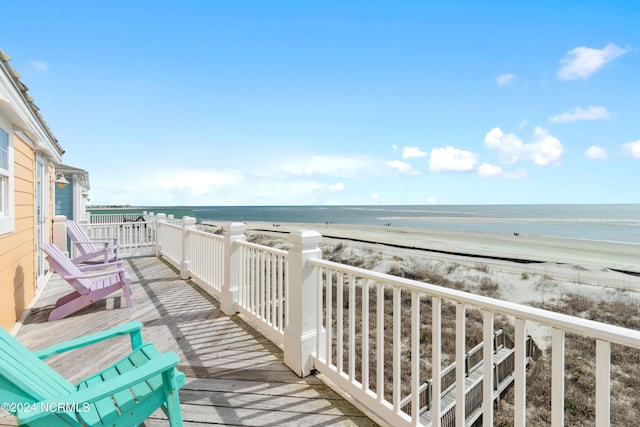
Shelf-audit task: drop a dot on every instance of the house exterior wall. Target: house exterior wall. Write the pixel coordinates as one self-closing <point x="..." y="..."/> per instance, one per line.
<point x="64" y="199"/>
<point x="27" y="166"/>
<point x="51" y="172"/>
<point x="17" y="255"/>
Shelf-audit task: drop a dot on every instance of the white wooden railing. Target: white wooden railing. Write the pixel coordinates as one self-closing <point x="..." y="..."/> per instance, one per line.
<point x="320" y="313"/>
<point x="206" y="257"/>
<point x="171" y="243"/>
<point x="263" y="286"/>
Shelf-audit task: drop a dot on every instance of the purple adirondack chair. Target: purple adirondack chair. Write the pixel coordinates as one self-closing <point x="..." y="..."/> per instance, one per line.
<point x="109" y="278"/>
<point x="91" y="251"/>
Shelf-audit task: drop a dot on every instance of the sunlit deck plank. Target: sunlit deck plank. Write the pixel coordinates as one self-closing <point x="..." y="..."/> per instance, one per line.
<point x="235" y="376"/>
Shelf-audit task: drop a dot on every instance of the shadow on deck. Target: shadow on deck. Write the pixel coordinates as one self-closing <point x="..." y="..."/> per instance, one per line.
<point x="235" y="376"/>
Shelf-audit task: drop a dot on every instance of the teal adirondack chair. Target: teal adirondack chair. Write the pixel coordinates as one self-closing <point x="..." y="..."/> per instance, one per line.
<point x="124" y="394"/>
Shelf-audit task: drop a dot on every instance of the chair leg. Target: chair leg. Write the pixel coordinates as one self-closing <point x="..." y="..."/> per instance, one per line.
<point x="172" y="404"/>
<point x="65" y="299"/>
<point x="72" y="305"/>
<point x="126" y="290"/>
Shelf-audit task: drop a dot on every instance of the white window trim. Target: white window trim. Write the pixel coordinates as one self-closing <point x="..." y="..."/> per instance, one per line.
<point x="7" y="220"/>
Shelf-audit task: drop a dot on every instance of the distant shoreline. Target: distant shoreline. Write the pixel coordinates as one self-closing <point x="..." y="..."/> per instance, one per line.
<point x="607" y="222"/>
<point x="623" y="257"/>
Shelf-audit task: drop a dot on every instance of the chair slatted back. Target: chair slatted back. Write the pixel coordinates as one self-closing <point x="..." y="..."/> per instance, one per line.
<point x="80" y="238"/>
<point x="65" y="268"/>
<point x="24" y="377"/>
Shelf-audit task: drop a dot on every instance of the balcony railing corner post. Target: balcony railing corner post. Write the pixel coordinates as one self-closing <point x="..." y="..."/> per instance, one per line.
<point x="233" y="232"/>
<point x="159" y="220"/>
<point x="300" y="331"/>
<point x="188" y="225"/>
<point x="60" y="232"/>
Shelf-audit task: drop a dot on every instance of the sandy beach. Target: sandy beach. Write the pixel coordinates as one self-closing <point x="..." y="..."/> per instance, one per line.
<point x="608" y="255"/>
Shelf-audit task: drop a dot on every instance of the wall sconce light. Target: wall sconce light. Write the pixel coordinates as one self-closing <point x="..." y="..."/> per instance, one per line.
<point x="61" y="180"/>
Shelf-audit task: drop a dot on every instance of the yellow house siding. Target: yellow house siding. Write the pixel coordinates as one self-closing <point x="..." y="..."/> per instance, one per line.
<point x="17" y="257"/>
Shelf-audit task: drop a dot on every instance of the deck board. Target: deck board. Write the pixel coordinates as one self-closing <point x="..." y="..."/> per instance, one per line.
<point x="235" y="376"/>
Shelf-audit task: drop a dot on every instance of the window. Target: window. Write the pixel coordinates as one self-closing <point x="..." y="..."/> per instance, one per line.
<point x="6" y="179"/>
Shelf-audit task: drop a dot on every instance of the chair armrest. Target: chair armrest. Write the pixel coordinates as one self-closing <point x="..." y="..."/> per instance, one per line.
<point x="103" y="266"/>
<point x="132" y="328"/>
<point x="96" y="274"/>
<point x="108" y="388"/>
<point x="108" y="243"/>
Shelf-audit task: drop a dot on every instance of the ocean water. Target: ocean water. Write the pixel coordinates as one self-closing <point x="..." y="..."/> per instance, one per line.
<point x="604" y="222"/>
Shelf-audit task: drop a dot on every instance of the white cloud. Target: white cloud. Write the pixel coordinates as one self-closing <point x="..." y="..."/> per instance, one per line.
<point x="338" y="186"/>
<point x="343" y="166"/>
<point x="486" y="170"/>
<point x="329" y="165"/>
<point x="430" y="200"/>
<point x="582" y="62"/>
<point x="403" y="167"/>
<point x="592" y="113"/>
<point x="523" y="124"/>
<point x="505" y="79"/>
<point x="633" y="148"/>
<point x="197" y="183"/>
<point x="509" y="146"/>
<point x="40" y="66"/>
<point x="595" y="153"/>
<point x="449" y="159"/>
<point x="394" y="147"/>
<point x="408" y="152"/>
<point x="545" y="149"/>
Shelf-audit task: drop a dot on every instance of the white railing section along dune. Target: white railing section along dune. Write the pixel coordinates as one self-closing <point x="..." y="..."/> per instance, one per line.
<point x="319" y="312"/>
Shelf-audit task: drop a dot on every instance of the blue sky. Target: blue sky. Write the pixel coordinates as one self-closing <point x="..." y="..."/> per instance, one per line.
<point x="338" y="102"/>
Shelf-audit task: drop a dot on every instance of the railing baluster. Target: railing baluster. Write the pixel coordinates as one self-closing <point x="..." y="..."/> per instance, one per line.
<point x="557" y="378"/>
<point x="415" y="358"/>
<point x="340" y="323"/>
<point x="397" y="349"/>
<point x="252" y="282"/>
<point x="436" y="361"/>
<point x="329" y="304"/>
<point x="520" y="374"/>
<point x="352" y="328"/>
<point x="365" y="335"/>
<point x="603" y="383"/>
<point x="380" y="341"/>
<point x="487" y="369"/>
<point x="460" y="362"/>
<point x="261" y="285"/>
<point x="320" y="304"/>
<point x="268" y="299"/>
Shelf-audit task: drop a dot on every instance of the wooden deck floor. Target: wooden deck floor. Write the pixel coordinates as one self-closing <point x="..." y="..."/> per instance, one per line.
<point x="235" y="376"/>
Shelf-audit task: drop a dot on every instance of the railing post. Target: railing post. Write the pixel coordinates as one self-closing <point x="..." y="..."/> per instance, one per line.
<point x="188" y="225"/>
<point x="233" y="232"/>
<point x="60" y="232"/>
<point x="300" y="331"/>
<point x="159" y="219"/>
